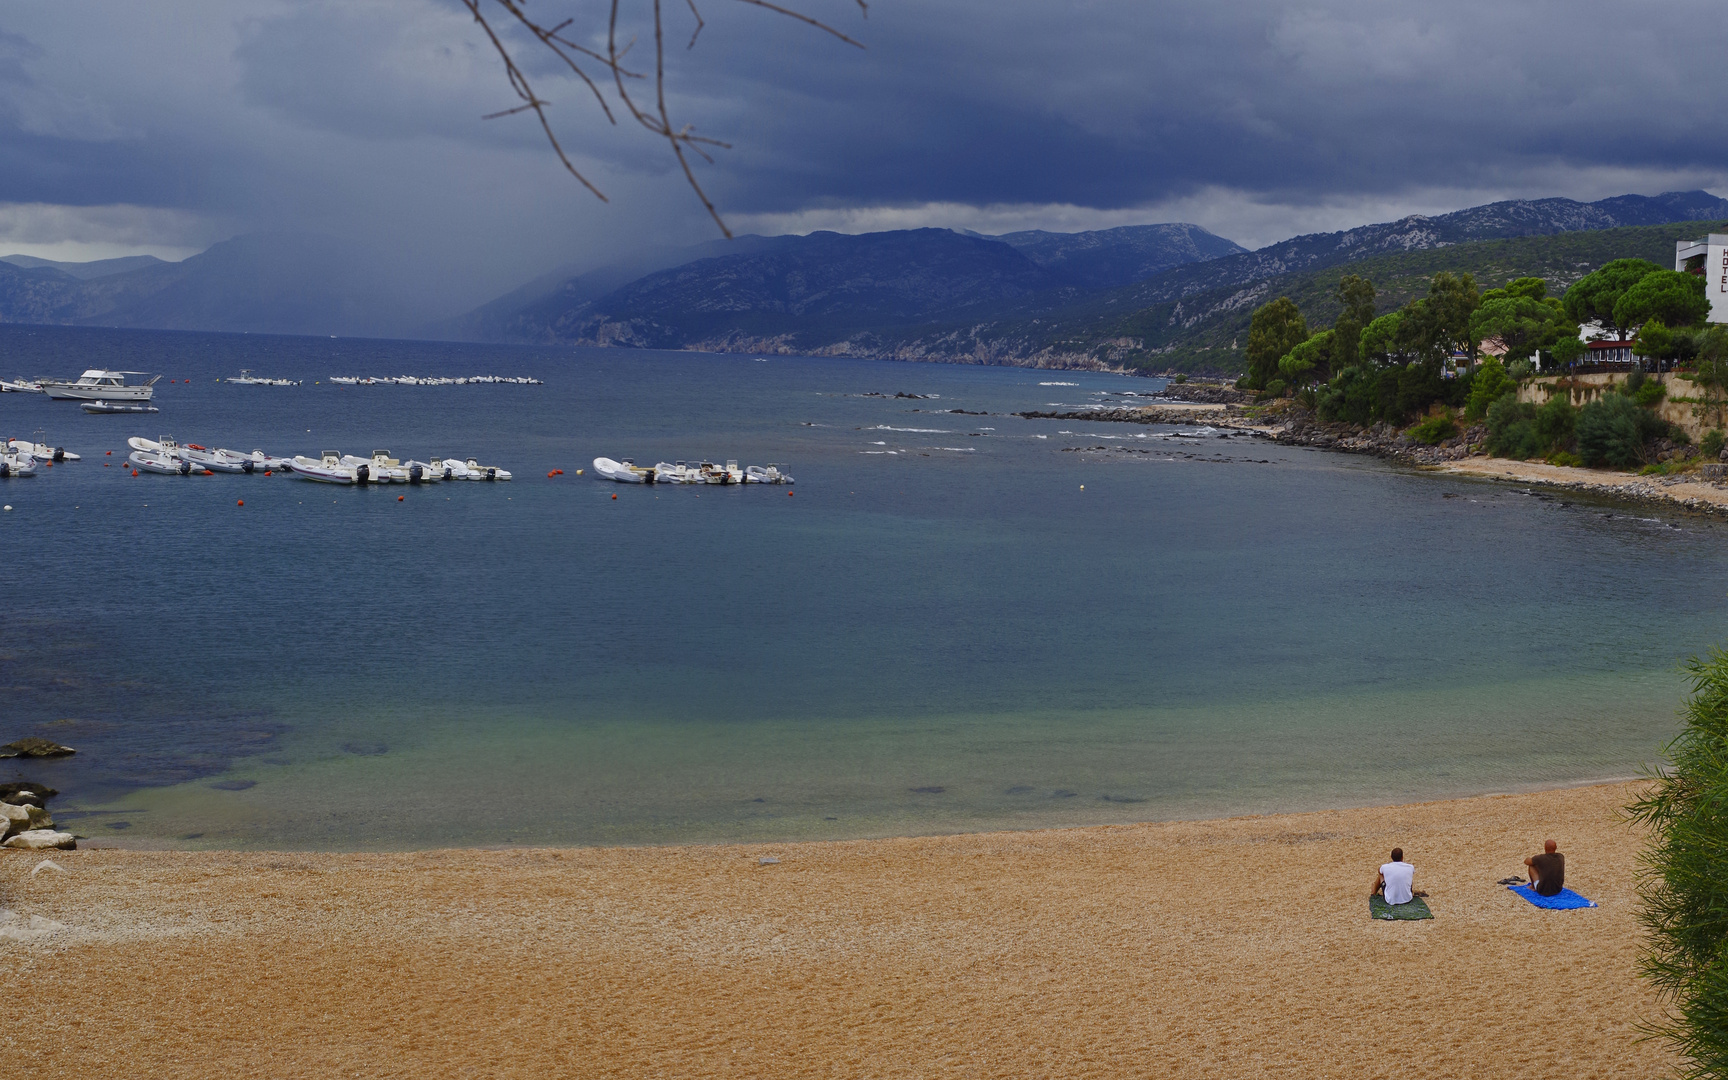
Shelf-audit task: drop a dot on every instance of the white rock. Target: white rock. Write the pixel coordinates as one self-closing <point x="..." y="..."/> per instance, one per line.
<point x="42" y="839"/>
<point x="44" y="926"/>
<point x="13" y="819"/>
<point x="47" y="864"/>
<point x="14" y="928"/>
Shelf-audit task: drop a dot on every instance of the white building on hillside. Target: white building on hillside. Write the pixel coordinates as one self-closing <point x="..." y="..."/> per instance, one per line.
<point x="1708" y="258"/>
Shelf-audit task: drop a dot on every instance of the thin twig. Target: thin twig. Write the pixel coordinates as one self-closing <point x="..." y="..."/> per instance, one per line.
<point x="656" y="119"/>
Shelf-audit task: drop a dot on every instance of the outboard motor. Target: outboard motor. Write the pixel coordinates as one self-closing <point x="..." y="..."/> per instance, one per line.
<point x="415" y="474"/>
<point x="246" y="466"/>
<point x="185" y="467"/>
<point x="59" y="453"/>
<point x="492" y="474"/>
<point x="5" y="469"/>
<point x="362" y="474"/>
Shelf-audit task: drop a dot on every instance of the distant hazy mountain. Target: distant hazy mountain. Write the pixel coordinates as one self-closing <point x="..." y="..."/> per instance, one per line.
<point x="825" y="283"/>
<point x="830" y="283"/>
<point x="263" y="283"/>
<point x="86" y="270"/>
<point x="1108" y="257"/>
<point x="494" y="321"/>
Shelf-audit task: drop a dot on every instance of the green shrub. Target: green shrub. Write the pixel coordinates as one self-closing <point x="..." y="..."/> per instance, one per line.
<point x="1434" y="430"/>
<point x="1512" y="429"/>
<point x="1489" y="384"/>
<point x="1613" y="430"/>
<point x="1180" y="379"/>
<point x="1276" y="388"/>
<point x="1649" y="393"/>
<point x="1683" y="887"/>
<point x="1711" y="447"/>
<point x="1566" y="458"/>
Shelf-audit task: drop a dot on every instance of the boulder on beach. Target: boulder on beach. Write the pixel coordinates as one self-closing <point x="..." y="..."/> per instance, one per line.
<point x="34" y="747"/>
<point x="27" y="792"/>
<point x="42" y="840"/>
<point x="16" y="928"/>
<point x="22" y="818"/>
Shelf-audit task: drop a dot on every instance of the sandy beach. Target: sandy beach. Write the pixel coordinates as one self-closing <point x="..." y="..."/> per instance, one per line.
<point x="1237" y="947"/>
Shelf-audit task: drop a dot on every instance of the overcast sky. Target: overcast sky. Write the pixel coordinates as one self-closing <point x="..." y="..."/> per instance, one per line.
<point x="148" y="126"/>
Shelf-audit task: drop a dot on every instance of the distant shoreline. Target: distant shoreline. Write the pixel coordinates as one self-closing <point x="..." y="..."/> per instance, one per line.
<point x="1677" y="492"/>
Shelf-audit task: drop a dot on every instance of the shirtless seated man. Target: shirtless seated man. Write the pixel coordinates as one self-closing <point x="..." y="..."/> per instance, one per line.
<point x="1395" y="879"/>
<point x="1547" y="870"/>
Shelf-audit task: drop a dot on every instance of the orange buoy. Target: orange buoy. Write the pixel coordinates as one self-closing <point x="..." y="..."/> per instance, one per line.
<point x="207" y="472"/>
<point x="239" y="502"/>
<point x="134" y="472"/>
<point x="399" y="498"/>
<point x="614" y="496"/>
<point x="788" y="494"/>
<point x="110" y="453"/>
<point x="267" y="472"/>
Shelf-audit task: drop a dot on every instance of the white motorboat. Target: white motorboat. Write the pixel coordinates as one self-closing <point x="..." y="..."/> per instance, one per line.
<point x="729" y="473"/>
<point x="14" y="464"/>
<point x="678" y="472"/>
<point x="215" y="460"/>
<point x="380" y="467"/>
<point x="422" y="472"/>
<point x="477" y="471"/>
<point x="98" y="384"/>
<point x="622" y="472"/>
<point x="328" y="469"/>
<point x="449" y="469"/>
<point x="20" y="386"/>
<point x="756" y="474"/>
<point x="116" y="407"/>
<point x="41" y="451"/>
<point x="262" y="462"/>
<point x="157" y="461"/>
<point x="246" y="378"/>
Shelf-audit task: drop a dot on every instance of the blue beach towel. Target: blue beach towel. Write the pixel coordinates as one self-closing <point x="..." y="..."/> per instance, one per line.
<point x="1564" y="900"/>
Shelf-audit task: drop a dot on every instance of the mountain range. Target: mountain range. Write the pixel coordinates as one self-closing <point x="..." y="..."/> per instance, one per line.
<point x="1168" y="295"/>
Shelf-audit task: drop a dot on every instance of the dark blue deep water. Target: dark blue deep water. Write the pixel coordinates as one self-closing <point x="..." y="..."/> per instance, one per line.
<point x="956" y="621"/>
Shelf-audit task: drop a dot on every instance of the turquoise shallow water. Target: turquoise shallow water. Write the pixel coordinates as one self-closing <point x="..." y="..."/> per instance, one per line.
<point x="958" y="621"/>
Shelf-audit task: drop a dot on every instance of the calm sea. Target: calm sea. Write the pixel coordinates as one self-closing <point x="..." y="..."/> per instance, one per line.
<point x="953" y="621"/>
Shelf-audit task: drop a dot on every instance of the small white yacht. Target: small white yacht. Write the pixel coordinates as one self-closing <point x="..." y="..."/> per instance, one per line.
<point x="328" y="469"/>
<point x="756" y="474"/>
<point x="15" y="464"/>
<point x="160" y="461"/>
<point x="623" y="472"/>
<point x="477" y="471"/>
<point x="99" y="384"/>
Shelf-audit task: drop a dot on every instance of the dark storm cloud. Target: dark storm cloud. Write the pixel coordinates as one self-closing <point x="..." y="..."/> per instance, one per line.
<point x="364" y="118"/>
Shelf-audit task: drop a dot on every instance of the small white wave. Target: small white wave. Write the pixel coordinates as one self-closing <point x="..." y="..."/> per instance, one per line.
<point x="955" y="449"/>
<point x="915" y="430"/>
<point x="1040" y="436"/>
<point x="878" y="452"/>
<point x="1058" y="384"/>
<point x="878" y="444"/>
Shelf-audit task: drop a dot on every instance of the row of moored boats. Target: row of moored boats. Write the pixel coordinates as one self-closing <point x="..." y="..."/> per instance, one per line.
<point x="431" y="380"/>
<point x="171" y="458"/>
<point x="19" y="457"/>
<point x="688" y="472"/>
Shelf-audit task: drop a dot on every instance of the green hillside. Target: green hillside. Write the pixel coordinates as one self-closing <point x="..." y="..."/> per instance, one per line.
<point x="1204" y="332"/>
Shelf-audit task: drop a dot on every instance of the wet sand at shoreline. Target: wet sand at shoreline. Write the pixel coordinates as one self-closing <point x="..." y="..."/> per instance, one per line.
<point x="1236" y="947"/>
<point x="1602" y="481"/>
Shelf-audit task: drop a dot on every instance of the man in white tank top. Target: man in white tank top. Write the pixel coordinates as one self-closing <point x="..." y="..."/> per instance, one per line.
<point x="1395" y="879"/>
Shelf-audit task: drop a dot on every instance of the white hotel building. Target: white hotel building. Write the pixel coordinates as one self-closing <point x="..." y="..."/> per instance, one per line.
<point x="1708" y="258"/>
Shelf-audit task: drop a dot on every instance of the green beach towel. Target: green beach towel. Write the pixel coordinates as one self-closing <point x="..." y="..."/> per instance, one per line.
<point x="1417" y="908"/>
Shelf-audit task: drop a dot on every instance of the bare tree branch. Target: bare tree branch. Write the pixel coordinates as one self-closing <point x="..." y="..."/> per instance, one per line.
<point x="657" y="119"/>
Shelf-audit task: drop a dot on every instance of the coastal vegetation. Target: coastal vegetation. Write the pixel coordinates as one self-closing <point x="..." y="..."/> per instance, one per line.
<point x="1418" y="367"/>
<point x="1683" y="889"/>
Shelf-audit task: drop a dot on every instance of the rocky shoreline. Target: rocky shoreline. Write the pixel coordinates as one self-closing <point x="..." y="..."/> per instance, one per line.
<point x="1462" y="454"/>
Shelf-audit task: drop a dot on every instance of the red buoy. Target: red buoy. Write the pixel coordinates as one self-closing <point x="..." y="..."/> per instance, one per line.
<point x="614" y="496"/>
<point x="399" y="498"/>
<point x="239" y="502"/>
